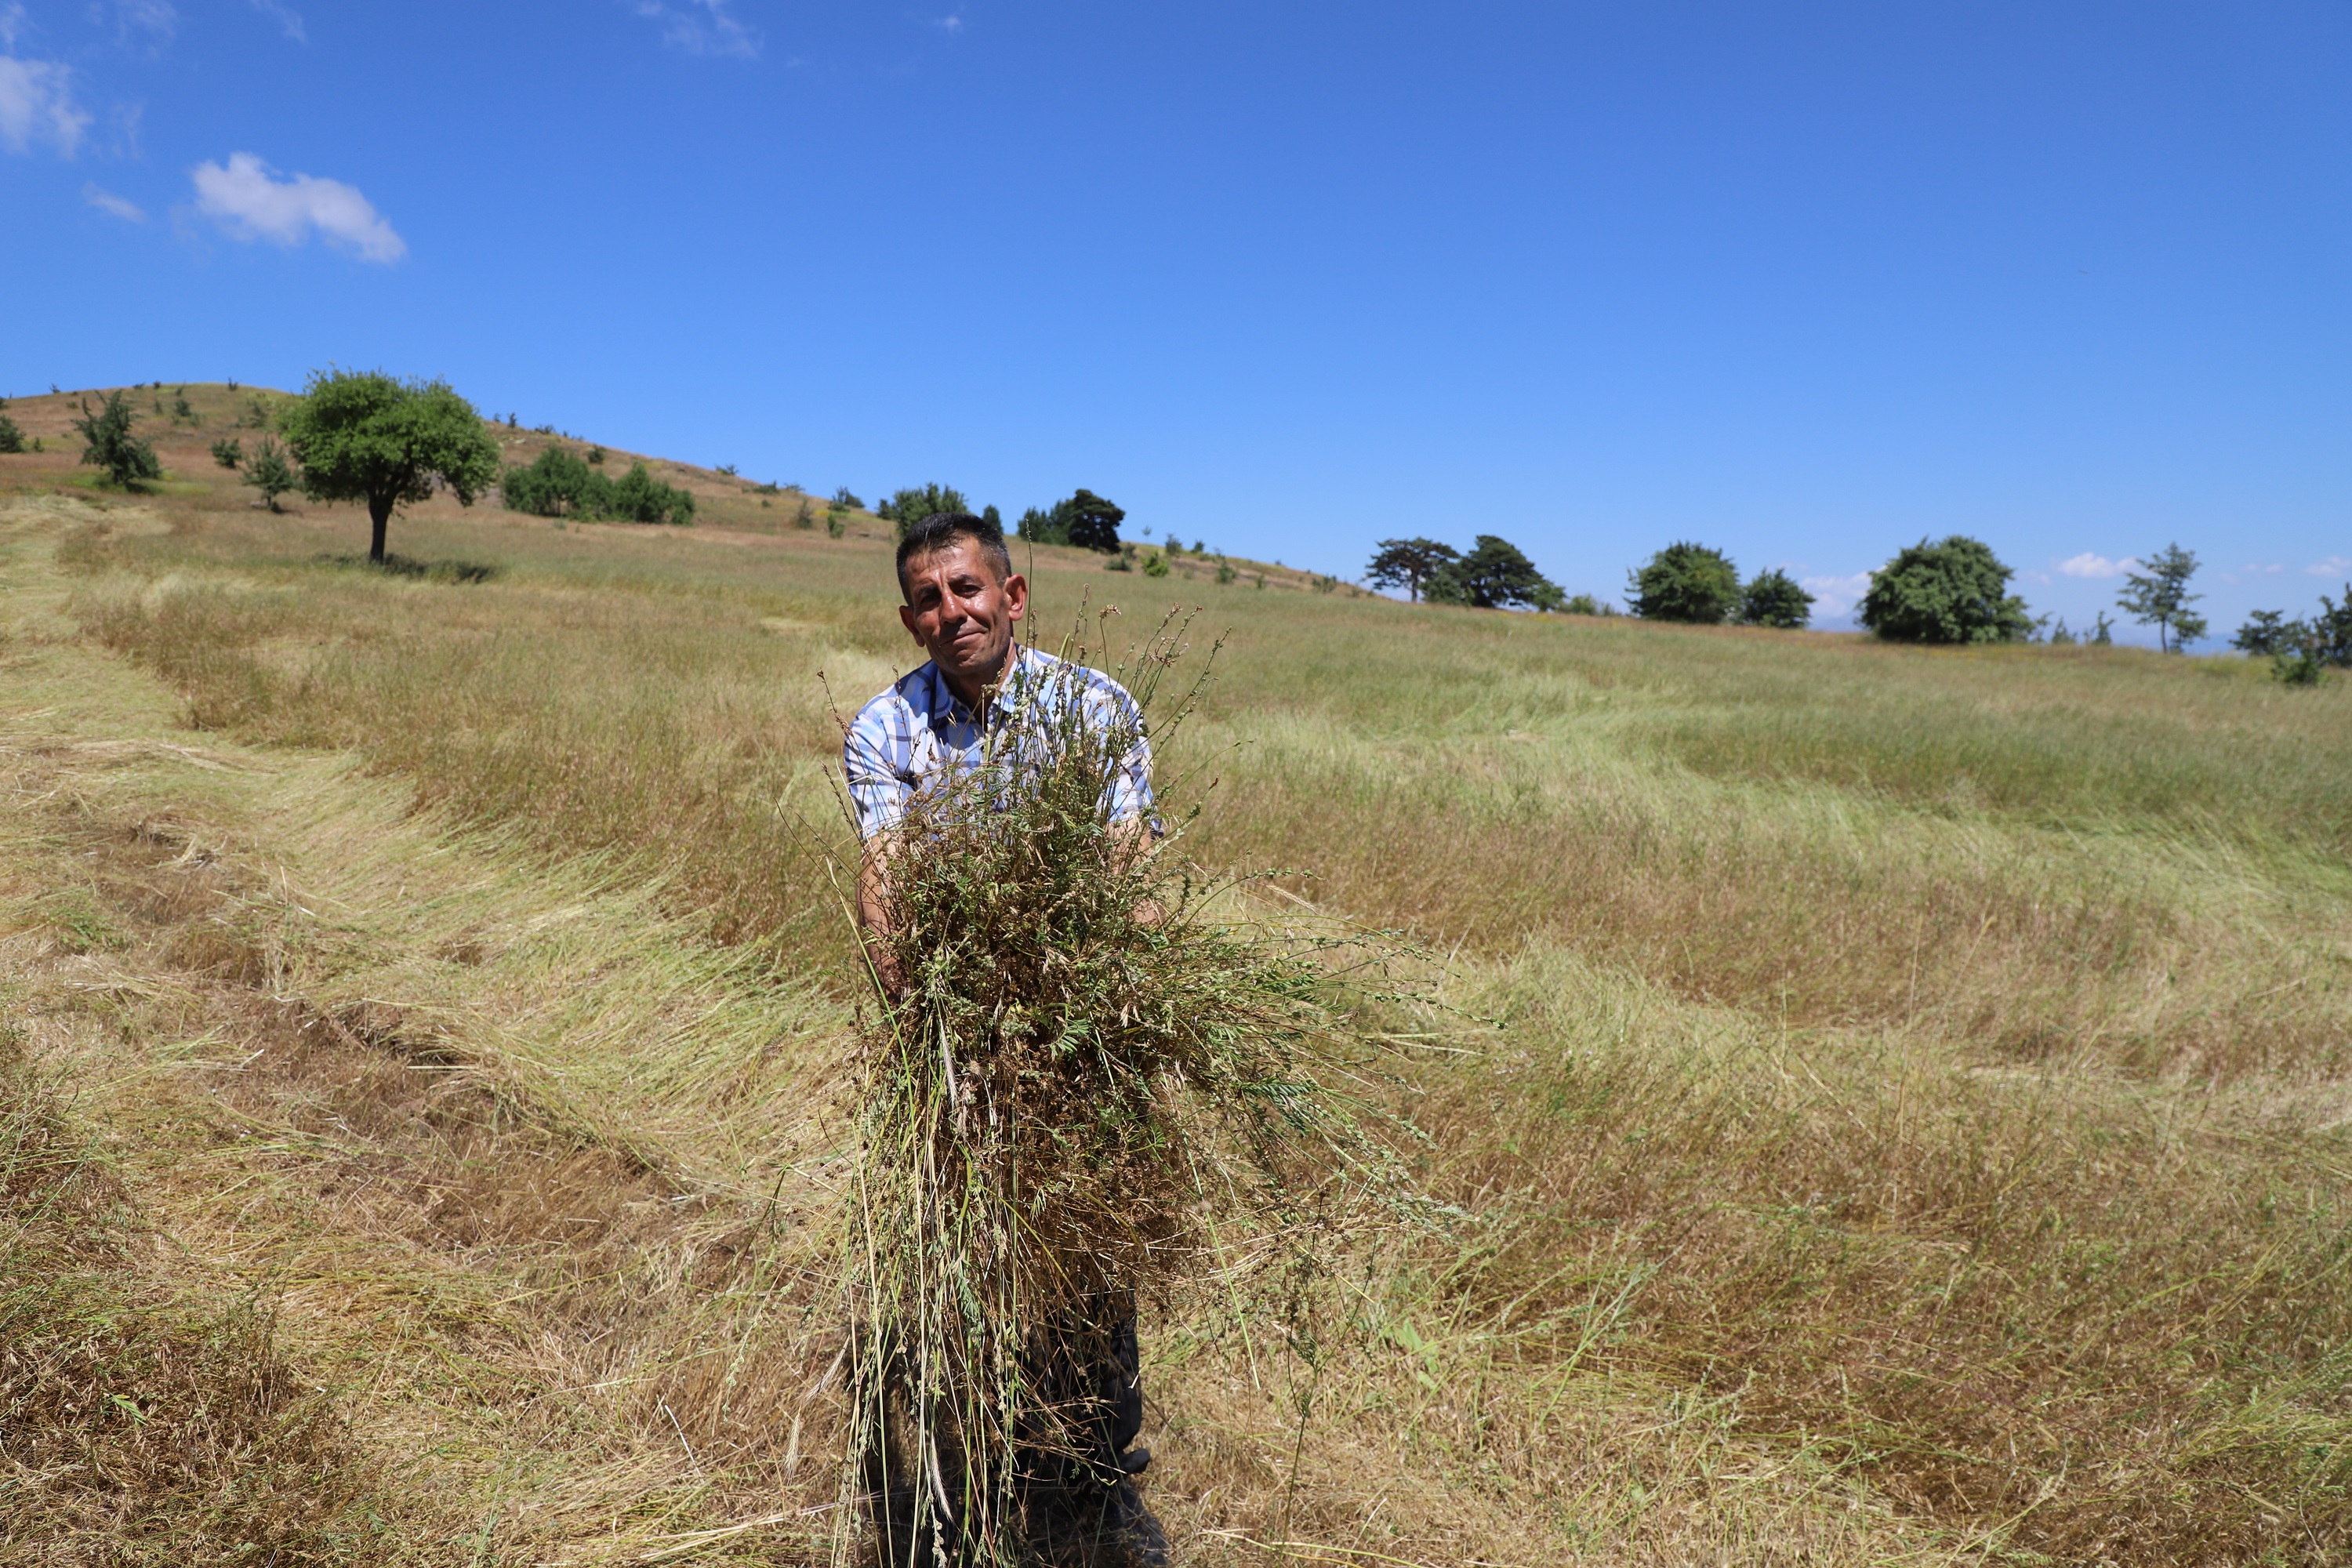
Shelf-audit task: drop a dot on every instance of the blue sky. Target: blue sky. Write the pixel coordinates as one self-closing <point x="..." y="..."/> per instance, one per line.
<point x="1806" y="282"/>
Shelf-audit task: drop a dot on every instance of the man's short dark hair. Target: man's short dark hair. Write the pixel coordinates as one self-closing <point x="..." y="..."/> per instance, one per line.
<point x="942" y="528"/>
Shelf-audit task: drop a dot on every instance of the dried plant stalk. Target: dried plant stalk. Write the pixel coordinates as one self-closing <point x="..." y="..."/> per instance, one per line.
<point x="1090" y="1084"/>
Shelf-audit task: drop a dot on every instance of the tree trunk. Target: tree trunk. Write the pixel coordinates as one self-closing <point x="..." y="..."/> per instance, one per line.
<point x="379" y="513"/>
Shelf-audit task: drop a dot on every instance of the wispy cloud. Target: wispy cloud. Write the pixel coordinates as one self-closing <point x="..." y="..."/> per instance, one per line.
<point x="700" y="28"/>
<point x="2334" y="566"/>
<point x="951" y="23"/>
<point x="249" y="201"/>
<point x="1836" y="596"/>
<point x="36" y="103"/>
<point x="2093" y="565"/>
<point x="288" y="20"/>
<point x="106" y="201"/>
<point x="154" y="22"/>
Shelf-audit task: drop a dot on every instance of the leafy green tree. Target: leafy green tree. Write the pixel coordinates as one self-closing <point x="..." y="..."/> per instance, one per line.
<point x="108" y="443"/>
<point x="2301" y="650"/>
<point x="909" y="506"/>
<point x="1685" y="582"/>
<point x="846" y="499"/>
<point x="558" y="484"/>
<point x="2160" y="598"/>
<point x="268" y="471"/>
<point x="2265" y="633"/>
<point x="1952" y="591"/>
<point x="12" y="438"/>
<point x="1581" y="605"/>
<point x="994" y="519"/>
<point x="554" y="484"/>
<point x="1775" y="599"/>
<point x="1494" y="575"/>
<point x="229" y="452"/>
<point x="1040" y="526"/>
<point x="362" y="436"/>
<point x="1407" y="564"/>
<point x="637" y="497"/>
<point x="1090" y="522"/>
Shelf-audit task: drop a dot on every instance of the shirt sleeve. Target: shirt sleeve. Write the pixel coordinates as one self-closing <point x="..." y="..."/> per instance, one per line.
<point x="1130" y="794"/>
<point x="879" y="791"/>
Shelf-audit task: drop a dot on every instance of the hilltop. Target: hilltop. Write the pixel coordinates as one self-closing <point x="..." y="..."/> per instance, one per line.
<point x="1898" y="1099"/>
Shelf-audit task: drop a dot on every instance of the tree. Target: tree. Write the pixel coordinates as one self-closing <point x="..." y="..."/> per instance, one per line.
<point x="1775" y="599"/>
<point x="2265" y="634"/>
<point x="2160" y="598"/>
<point x="1407" y="564"/>
<point x="1953" y="591"/>
<point x="268" y="471"/>
<point x="229" y="452"/>
<point x="12" y="438"/>
<point x="558" y="484"/>
<point x="1494" y="575"/>
<point x="846" y="498"/>
<point x="1581" y="605"/>
<point x="108" y="443"/>
<point x="362" y="436"/>
<point x="910" y="506"/>
<point x="1090" y="522"/>
<point x="1685" y="582"/>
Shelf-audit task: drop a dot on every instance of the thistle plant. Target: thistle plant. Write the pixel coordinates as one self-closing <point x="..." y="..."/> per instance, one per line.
<point x="1089" y="1076"/>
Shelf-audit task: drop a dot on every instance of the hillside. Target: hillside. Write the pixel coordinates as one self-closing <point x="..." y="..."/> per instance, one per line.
<point x="1899" y="1098"/>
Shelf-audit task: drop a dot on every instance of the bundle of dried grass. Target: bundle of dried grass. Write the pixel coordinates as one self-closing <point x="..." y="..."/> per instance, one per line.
<point x="1090" y="1077"/>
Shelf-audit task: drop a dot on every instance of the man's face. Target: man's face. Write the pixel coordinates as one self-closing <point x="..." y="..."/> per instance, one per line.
<point x="963" y="613"/>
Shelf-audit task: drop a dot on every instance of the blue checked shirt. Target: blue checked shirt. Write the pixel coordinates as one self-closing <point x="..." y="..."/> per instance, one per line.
<point x="918" y="730"/>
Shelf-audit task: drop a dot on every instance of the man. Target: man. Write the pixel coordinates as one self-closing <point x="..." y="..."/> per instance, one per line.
<point x="962" y="600"/>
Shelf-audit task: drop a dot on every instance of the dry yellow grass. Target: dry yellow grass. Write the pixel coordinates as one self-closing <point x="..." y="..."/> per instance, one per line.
<point x="1911" y="1126"/>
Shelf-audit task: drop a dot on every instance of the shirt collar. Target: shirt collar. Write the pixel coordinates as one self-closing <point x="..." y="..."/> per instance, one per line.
<point x="1021" y="670"/>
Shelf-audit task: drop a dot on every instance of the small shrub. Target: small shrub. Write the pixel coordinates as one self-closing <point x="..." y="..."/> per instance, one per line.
<point x="1580" y="605"/>
<point x="846" y="499"/>
<point x="229" y="452"/>
<point x="804" y="517"/>
<point x="1155" y="565"/>
<point x="183" y="412"/>
<point x="559" y="484"/>
<point x="837" y="523"/>
<point x="596" y="454"/>
<point x="270" y="472"/>
<point x="1226" y="572"/>
<point x="108" y="443"/>
<point x="726" y="468"/>
<point x="12" y="439"/>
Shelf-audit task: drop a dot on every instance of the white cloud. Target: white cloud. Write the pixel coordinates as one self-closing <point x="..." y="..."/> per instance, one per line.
<point x="2088" y="564"/>
<point x="106" y="201"/>
<point x="155" y="19"/>
<point x="1836" y="596"/>
<point x="12" y="22"/>
<point x="248" y="201"/>
<point x="288" y="20"/>
<point x="2334" y="566"/>
<point x="2270" y="568"/>
<point x="950" y="24"/>
<point x="700" y="28"/>
<point x="36" y="103"/>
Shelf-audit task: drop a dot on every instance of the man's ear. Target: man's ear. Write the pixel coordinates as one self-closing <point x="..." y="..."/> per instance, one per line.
<point x="1017" y="597"/>
<point x="907" y="619"/>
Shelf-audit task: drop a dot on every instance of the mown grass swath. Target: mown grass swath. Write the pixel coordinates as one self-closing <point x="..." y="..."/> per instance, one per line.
<point x="1084" y="1065"/>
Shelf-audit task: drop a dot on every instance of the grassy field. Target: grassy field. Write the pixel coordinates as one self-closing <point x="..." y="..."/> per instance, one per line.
<point x="1908" y="1121"/>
